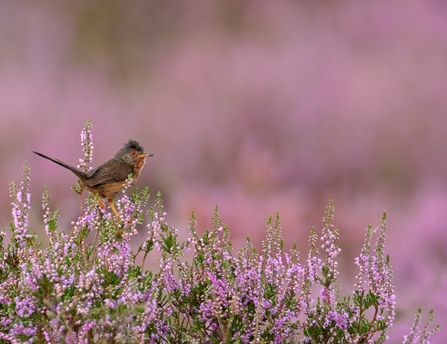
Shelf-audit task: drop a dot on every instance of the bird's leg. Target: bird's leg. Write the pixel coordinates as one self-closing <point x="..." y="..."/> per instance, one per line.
<point x="110" y="200"/>
<point x="101" y="203"/>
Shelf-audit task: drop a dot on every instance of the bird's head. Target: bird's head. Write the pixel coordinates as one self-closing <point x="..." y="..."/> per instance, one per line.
<point x="132" y="152"/>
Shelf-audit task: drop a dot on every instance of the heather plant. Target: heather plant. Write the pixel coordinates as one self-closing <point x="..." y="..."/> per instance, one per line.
<point x="89" y="286"/>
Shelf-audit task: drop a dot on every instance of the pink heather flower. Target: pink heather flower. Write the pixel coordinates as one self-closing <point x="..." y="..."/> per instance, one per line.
<point x="375" y="273"/>
<point x="22" y="329"/>
<point x="329" y="239"/>
<point x="20" y="206"/>
<point x="8" y="338"/>
<point x="24" y="307"/>
<point x="87" y="144"/>
<point x="327" y="296"/>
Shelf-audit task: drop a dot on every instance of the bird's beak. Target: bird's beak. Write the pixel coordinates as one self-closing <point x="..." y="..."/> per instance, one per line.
<point x="145" y="155"/>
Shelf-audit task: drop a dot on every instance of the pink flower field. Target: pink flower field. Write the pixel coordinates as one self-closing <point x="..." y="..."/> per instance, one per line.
<point x="258" y="107"/>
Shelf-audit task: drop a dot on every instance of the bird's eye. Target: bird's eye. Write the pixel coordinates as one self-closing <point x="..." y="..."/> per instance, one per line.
<point x="133" y="153"/>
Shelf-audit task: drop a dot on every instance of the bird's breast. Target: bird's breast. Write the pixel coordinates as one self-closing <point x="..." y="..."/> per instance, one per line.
<point x="107" y="191"/>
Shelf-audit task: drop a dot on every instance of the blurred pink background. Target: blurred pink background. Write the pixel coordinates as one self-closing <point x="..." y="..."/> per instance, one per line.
<point x="259" y="107"/>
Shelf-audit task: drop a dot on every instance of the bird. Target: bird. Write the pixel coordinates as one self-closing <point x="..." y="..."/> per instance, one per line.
<point x="108" y="179"/>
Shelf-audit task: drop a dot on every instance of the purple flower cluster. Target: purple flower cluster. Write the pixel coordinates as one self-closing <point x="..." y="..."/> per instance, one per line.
<point x="74" y="291"/>
<point x="374" y="277"/>
<point x="418" y="335"/>
<point x="84" y="290"/>
<point x="20" y="206"/>
<point x="87" y="287"/>
<point x="87" y="147"/>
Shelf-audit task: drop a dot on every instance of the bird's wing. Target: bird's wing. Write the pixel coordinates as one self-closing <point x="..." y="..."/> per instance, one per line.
<point x="110" y="172"/>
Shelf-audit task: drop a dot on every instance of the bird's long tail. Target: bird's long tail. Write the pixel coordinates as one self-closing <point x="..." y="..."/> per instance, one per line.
<point x="79" y="174"/>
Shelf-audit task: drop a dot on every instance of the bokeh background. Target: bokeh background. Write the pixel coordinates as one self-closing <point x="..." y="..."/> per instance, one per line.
<point x="259" y="107"/>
